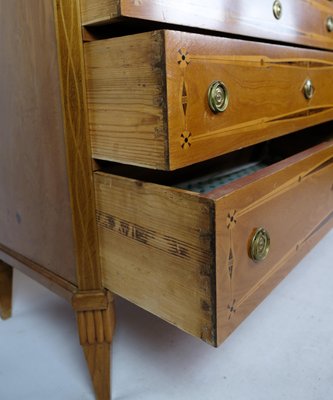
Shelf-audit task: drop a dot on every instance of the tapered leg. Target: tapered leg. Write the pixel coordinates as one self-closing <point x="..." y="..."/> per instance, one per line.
<point x="96" y="322"/>
<point x="6" y="284"/>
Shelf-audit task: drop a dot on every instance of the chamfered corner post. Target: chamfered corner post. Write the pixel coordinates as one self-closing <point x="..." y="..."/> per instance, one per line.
<point x="6" y="290"/>
<point x="96" y="321"/>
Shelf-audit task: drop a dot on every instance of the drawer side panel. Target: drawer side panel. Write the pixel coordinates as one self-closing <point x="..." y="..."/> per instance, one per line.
<point x="127" y="100"/>
<point x="156" y="251"/>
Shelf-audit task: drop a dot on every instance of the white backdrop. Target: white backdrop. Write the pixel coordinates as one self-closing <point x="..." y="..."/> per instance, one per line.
<point x="284" y="350"/>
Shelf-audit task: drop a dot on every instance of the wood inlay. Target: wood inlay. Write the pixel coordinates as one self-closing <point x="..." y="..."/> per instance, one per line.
<point x="72" y="75"/>
<point x="150" y="114"/>
<point x="285" y="210"/>
<point x="302" y="21"/>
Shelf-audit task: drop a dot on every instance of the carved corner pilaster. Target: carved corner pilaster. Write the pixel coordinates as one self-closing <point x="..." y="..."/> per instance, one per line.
<point x="96" y="323"/>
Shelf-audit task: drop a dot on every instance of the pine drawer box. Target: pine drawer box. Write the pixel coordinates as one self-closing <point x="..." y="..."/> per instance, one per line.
<point x="168" y="99"/>
<point x="188" y="256"/>
<point x="306" y="22"/>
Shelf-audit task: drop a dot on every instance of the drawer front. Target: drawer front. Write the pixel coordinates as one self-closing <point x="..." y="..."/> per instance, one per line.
<point x="304" y="22"/>
<point x="185" y="256"/>
<point x="149" y="105"/>
<point x="294" y="206"/>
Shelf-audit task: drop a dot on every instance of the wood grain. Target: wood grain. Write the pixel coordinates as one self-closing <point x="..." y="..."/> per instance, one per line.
<point x="126" y="99"/>
<point x="292" y="202"/>
<point x="184" y="256"/>
<point x="302" y="22"/>
<point x="158" y="240"/>
<point x="134" y="114"/>
<point x="72" y="82"/>
<point x="6" y="286"/>
<point x="35" y="213"/>
<point x="99" y="363"/>
<point x="96" y="11"/>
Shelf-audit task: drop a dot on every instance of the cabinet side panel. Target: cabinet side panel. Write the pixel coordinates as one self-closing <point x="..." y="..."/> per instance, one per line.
<point x="35" y="214"/>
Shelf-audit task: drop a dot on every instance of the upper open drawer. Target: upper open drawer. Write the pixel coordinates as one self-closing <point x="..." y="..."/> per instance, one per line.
<point x="306" y="22"/>
<point x="168" y="99"/>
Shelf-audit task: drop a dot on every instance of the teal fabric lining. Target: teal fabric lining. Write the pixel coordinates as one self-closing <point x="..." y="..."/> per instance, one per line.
<point x="208" y="183"/>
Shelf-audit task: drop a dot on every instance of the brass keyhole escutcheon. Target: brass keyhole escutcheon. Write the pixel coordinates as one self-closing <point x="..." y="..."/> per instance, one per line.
<point x="218" y="97"/>
<point x="260" y="244"/>
<point x="277" y="9"/>
<point x="329" y="24"/>
<point x="308" y="89"/>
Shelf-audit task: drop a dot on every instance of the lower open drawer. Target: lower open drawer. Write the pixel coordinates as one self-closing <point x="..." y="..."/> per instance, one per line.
<point x="202" y="252"/>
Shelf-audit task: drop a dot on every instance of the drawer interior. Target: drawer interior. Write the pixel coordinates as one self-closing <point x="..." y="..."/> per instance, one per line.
<point x="209" y="175"/>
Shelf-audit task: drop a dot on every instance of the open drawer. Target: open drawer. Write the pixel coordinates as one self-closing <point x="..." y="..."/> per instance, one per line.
<point x="306" y="22"/>
<point x="201" y="253"/>
<point x="169" y="99"/>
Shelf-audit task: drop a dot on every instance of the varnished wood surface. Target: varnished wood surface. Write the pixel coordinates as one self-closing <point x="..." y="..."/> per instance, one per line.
<point x="96" y="322"/>
<point x="96" y="319"/>
<point x="6" y="287"/>
<point x="302" y="22"/>
<point x="42" y="275"/>
<point x="292" y="202"/>
<point x="150" y="89"/>
<point x="169" y="245"/>
<point x="35" y="215"/>
<point x="72" y="82"/>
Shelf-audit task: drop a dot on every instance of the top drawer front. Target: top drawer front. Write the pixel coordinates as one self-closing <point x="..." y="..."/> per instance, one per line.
<point x="301" y="21"/>
<point x="148" y="102"/>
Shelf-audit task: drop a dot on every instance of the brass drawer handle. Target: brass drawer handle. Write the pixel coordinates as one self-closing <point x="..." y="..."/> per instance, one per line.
<point x="218" y="97"/>
<point x="277" y="9"/>
<point x="329" y="24"/>
<point x="308" y="89"/>
<point x="260" y="245"/>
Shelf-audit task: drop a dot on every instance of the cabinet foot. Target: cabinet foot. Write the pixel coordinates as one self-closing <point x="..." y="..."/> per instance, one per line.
<point x="96" y="322"/>
<point x="6" y="285"/>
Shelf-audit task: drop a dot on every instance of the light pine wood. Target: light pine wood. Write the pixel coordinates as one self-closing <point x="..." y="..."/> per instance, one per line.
<point x="141" y="103"/>
<point x="126" y="99"/>
<point x="96" y="11"/>
<point x="184" y="256"/>
<point x="158" y="240"/>
<point x="6" y="285"/>
<point x="302" y="21"/>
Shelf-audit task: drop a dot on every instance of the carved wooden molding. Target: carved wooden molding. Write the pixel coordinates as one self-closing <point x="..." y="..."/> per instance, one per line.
<point x="95" y="316"/>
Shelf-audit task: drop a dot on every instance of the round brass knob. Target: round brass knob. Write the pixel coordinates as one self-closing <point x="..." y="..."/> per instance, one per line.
<point x="308" y="89"/>
<point x="260" y="243"/>
<point x="329" y="24"/>
<point x="277" y="9"/>
<point x="218" y="97"/>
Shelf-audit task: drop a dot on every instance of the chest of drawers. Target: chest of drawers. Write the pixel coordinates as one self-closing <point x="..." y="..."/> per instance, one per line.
<point x="150" y="151"/>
